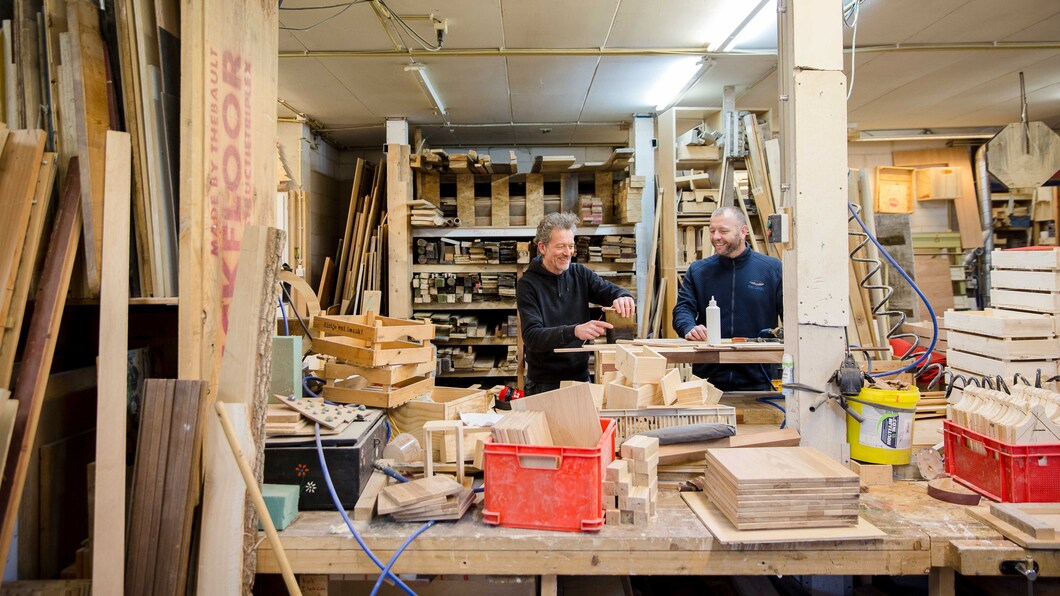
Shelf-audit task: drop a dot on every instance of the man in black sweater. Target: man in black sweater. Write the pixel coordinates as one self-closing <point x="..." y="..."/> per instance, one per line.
<point x="553" y="299"/>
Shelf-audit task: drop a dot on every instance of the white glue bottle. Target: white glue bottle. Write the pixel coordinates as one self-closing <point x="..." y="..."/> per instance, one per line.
<point x="713" y="322"/>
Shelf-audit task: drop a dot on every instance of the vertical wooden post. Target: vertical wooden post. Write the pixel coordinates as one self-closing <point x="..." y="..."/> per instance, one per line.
<point x="642" y="134"/>
<point x="666" y="167"/>
<point x="500" y="205"/>
<point x="535" y="199"/>
<point x="813" y="179"/>
<point x="398" y="195"/>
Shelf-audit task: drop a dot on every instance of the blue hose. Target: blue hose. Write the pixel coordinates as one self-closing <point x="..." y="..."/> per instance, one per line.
<point x="768" y="400"/>
<point x="349" y="524"/>
<point x="397" y="553"/>
<point x="931" y="312"/>
<point x="283" y="311"/>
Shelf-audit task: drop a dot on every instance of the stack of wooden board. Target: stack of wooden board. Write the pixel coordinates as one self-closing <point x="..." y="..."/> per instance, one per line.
<point x="27" y="175"/>
<point x="1029" y="281"/>
<point x="297" y="415"/>
<point x="631" y="484"/>
<point x="523" y="428"/>
<point x="1002" y="342"/>
<point x="392" y="369"/>
<point x="443" y="403"/>
<point x="781" y="487"/>
<point x="628" y="194"/>
<point x="361" y="264"/>
<point x="435" y="497"/>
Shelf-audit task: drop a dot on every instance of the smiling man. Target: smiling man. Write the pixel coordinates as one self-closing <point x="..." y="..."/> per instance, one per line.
<point x="748" y="287"/>
<point x="553" y="298"/>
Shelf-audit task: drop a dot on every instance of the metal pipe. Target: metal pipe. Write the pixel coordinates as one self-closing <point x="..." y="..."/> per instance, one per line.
<point x="986" y="214"/>
<point x="693" y="51"/>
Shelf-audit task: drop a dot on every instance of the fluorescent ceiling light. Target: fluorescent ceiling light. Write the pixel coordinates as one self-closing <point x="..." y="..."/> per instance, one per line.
<point x="923" y="135"/>
<point x="428" y="87"/>
<point x="764" y="20"/>
<point x="676" y="80"/>
<point x="732" y="18"/>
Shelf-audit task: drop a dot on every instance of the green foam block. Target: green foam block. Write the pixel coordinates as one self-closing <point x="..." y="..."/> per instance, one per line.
<point x="282" y="501"/>
<point x="286" y="366"/>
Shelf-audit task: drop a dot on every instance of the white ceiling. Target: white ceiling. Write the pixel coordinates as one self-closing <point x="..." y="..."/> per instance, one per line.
<point x="499" y="100"/>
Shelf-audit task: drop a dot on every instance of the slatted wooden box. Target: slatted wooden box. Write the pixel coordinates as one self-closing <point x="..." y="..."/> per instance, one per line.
<point x="445" y="403"/>
<point x="381" y="396"/>
<point x="373" y="329"/>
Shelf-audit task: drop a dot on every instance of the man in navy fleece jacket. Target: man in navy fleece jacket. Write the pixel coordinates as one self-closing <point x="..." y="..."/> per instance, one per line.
<point x="553" y="299"/>
<point x="748" y="287"/>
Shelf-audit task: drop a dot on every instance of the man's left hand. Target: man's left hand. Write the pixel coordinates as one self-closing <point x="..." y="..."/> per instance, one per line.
<point x="624" y="306"/>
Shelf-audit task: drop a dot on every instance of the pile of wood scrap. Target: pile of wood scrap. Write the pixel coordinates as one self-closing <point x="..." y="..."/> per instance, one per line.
<point x="1029" y="416"/>
<point x="435" y="497"/>
<point x="383" y="362"/>
<point x="427" y="214"/>
<point x="781" y="487"/>
<point x="360" y="264"/>
<point x="932" y="404"/>
<point x="438" y="161"/>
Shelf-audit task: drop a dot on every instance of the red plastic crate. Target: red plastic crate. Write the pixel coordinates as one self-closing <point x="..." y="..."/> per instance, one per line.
<point x="547" y="488"/>
<point x="1002" y="472"/>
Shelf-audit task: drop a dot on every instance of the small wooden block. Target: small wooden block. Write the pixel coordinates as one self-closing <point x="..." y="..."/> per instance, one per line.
<point x="640" y="447"/>
<point x="623" y="503"/>
<point x="638" y="499"/>
<point x="651" y="507"/>
<point x="644" y="480"/>
<point x="616" y="469"/>
<point x="640" y="518"/>
<point x="873" y="474"/>
<point x="646" y="466"/>
<point x="612" y="517"/>
<point x="626" y="517"/>
<point x="608" y="488"/>
<point x="623" y="486"/>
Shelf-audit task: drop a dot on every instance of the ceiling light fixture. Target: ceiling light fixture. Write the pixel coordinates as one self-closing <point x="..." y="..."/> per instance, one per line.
<point x="756" y="24"/>
<point x="920" y="135"/>
<point x="729" y="22"/>
<point x="676" y="80"/>
<point x="428" y="87"/>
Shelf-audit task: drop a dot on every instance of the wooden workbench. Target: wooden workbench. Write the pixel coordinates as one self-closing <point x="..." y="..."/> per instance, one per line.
<point x="924" y="536"/>
<point x="681" y="351"/>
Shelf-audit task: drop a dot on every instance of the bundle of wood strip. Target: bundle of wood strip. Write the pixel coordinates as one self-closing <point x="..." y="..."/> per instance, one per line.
<point x="165" y="487"/>
<point x="360" y="262"/>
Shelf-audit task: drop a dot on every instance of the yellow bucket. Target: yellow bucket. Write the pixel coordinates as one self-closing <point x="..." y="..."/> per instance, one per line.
<point x="886" y="435"/>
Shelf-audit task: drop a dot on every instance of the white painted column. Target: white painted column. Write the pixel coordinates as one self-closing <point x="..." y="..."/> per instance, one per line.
<point x="814" y="178"/>
<point x="641" y="136"/>
<point x="397" y="131"/>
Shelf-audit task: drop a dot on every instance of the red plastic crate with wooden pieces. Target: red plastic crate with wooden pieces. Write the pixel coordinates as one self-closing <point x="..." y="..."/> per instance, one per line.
<point x="1000" y="471"/>
<point x="558" y="487"/>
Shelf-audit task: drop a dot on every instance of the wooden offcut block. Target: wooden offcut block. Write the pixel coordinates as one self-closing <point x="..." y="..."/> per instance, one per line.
<point x="612" y="517"/>
<point x="646" y="466"/>
<point x="638" y="499"/>
<point x="608" y="488"/>
<point x="873" y="474"/>
<point x="640" y="364"/>
<point x="623" y="485"/>
<point x="616" y="469"/>
<point x="643" y="480"/>
<point x="640" y="447"/>
<point x="626" y="517"/>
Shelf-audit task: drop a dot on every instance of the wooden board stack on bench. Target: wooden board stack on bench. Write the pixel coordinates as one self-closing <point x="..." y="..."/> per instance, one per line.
<point x="781" y="487"/>
<point x="631" y="484"/>
<point x="392" y="358"/>
<point x="435" y="497"/>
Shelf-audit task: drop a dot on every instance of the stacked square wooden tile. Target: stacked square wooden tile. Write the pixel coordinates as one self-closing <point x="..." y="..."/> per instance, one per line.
<point x="631" y="484"/>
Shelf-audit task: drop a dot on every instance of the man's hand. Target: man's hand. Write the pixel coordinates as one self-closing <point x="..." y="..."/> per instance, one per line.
<point x="624" y="306"/>
<point x="698" y="333"/>
<point x="594" y="329"/>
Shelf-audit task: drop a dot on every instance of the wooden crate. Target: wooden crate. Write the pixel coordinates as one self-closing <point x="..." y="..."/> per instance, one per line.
<point x="446" y="403"/>
<point x="1040" y="302"/>
<point x="381" y="396"/>
<point x="385" y="353"/>
<point x="1006" y="348"/>
<point x="1014" y="279"/>
<point x="894" y="190"/>
<point x="938" y="183"/>
<point x="1026" y="259"/>
<point x="374" y="329"/>
<point x="1001" y="323"/>
<point x="982" y="365"/>
<point x="377" y="375"/>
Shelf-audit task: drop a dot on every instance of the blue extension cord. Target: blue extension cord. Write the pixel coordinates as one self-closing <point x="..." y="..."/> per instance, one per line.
<point x="931" y="311"/>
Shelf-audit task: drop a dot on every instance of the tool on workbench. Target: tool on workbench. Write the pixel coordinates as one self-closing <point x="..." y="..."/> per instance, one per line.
<point x="505" y="397"/>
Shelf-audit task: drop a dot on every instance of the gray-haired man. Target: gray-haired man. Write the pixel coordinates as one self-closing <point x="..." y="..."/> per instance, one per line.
<point x="553" y="298"/>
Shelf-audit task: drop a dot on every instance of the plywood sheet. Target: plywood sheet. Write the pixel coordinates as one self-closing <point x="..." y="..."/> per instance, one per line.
<point x="572" y="415"/>
<point x="773" y="466"/>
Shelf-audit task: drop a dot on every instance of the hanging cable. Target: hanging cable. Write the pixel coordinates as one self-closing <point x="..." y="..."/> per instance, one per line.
<point x="295" y="311"/>
<point x="349" y="523"/>
<point x="322" y="21"/>
<point x="408" y="29"/>
<point x="283" y="311"/>
<point x="851" y="10"/>
<point x="926" y="355"/>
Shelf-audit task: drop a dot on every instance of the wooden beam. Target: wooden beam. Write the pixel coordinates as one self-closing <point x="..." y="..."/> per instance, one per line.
<point x="92" y="119"/>
<point x="19" y="164"/>
<point x="816" y="303"/>
<point x="667" y="215"/>
<point x="399" y="246"/>
<point x="40" y="347"/>
<point x="108" y="539"/>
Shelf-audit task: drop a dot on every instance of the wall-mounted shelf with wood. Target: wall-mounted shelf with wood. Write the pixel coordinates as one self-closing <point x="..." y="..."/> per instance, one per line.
<point x="510" y="305"/>
<point x="506" y="232"/>
<point x="478" y="341"/>
<point x="461" y="268"/>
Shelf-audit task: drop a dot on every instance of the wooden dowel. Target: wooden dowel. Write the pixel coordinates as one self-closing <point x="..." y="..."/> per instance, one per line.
<point x="259" y="501"/>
